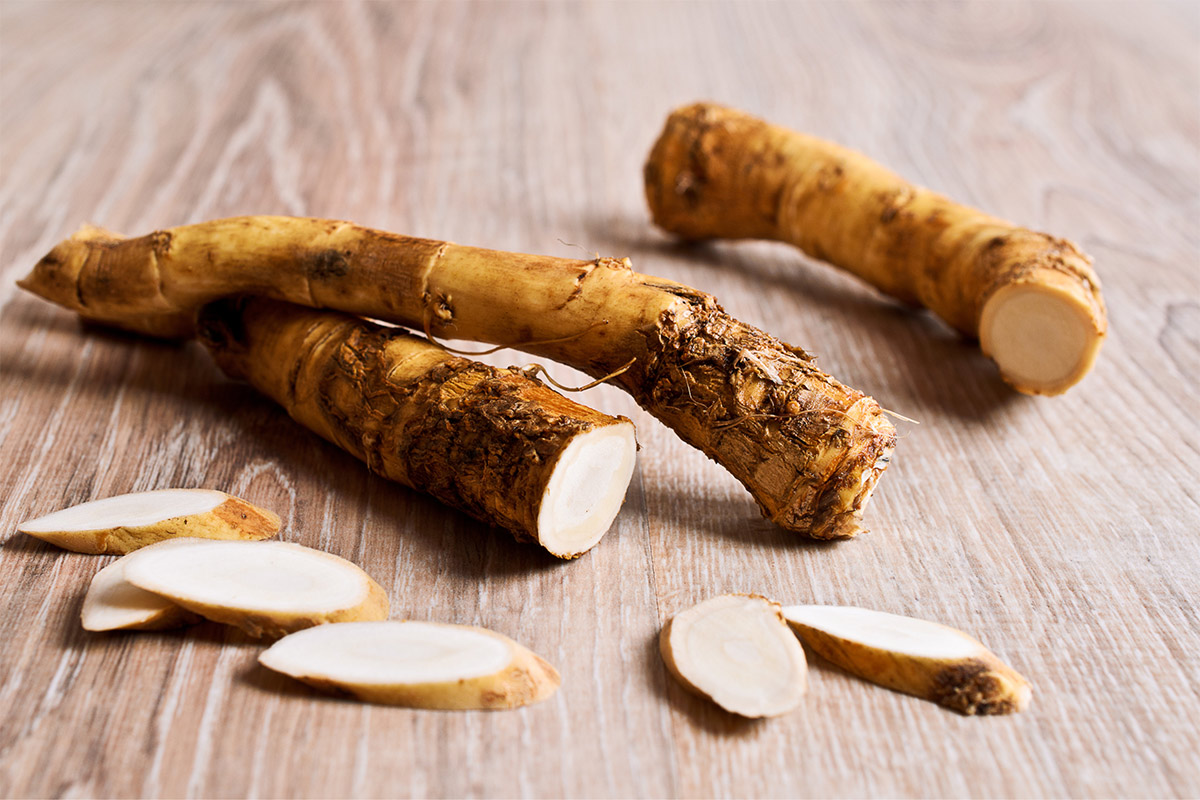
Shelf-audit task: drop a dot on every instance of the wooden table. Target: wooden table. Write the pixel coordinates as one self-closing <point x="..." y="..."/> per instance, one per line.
<point x="1061" y="531"/>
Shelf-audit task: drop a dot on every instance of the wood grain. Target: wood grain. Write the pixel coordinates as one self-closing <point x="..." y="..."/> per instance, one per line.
<point x="1062" y="532"/>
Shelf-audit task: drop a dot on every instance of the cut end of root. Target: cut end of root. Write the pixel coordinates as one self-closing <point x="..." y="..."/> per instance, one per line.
<point x="415" y="664"/>
<point x="853" y="498"/>
<point x="738" y="651"/>
<point x="586" y="490"/>
<point x="1043" y="337"/>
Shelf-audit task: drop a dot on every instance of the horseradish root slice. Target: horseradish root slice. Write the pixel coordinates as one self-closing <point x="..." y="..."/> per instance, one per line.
<point x="264" y="588"/>
<point x="127" y="522"/>
<point x="113" y="603"/>
<point x="415" y="664"/>
<point x="737" y="650"/>
<point x="921" y="658"/>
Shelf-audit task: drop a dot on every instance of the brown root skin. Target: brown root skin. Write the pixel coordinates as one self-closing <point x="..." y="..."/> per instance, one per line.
<point x="717" y="172"/>
<point x="483" y="440"/>
<point x="750" y="401"/>
<point x="980" y="687"/>
<point x="808" y="448"/>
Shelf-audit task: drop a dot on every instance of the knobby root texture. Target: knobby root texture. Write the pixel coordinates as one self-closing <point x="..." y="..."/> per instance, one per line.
<point x="808" y="448"/>
<point x="491" y="442"/>
<point x="1033" y="300"/>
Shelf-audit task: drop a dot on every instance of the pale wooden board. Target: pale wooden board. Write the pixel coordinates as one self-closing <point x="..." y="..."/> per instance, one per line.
<point x="1063" y="532"/>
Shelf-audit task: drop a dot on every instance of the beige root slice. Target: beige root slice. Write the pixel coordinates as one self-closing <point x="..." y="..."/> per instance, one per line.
<point x="415" y="664"/>
<point x="124" y="523"/>
<point x="909" y="655"/>
<point x="265" y="588"/>
<point x="491" y="442"/>
<point x="737" y="650"/>
<point x="1040" y="335"/>
<point x="1033" y="300"/>
<point x="808" y="448"/>
<point x="113" y="603"/>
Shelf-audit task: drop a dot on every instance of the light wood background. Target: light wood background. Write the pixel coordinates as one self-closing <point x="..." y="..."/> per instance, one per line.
<point x="1063" y="532"/>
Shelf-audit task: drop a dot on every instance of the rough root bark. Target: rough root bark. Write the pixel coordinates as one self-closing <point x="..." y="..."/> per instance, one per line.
<point x="480" y="439"/>
<point x="808" y="448"/>
<point x="717" y="172"/>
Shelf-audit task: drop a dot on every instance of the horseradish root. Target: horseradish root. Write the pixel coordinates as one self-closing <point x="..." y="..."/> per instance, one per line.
<point x="1031" y="299"/>
<point x="808" y="448"/>
<point x="123" y="523"/>
<point x="415" y="664"/>
<point x="113" y="603"/>
<point x="737" y="650"/>
<point x="909" y="655"/>
<point x="491" y="442"/>
<point x="264" y="588"/>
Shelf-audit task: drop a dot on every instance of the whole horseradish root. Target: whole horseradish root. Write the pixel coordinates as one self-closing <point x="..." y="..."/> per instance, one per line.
<point x="491" y="442"/>
<point x="1031" y="299"/>
<point x="808" y="448"/>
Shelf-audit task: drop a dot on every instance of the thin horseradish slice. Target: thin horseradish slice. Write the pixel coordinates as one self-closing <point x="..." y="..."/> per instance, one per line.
<point x="415" y="664"/>
<point x="738" y="651"/>
<point x="915" y="656"/>
<point x="265" y="588"/>
<point x="127" y="522"/>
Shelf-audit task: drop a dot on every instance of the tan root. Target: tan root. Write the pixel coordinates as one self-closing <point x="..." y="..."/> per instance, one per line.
<point x="1032" y="299"/>
<point x="808" y="448"/>
<point x="491" y="442"/>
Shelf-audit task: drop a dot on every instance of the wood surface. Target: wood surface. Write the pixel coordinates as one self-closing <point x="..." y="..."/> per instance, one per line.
<point x="1062" y="532"/>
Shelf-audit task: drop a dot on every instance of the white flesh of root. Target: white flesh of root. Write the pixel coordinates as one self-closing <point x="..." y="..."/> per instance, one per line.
<point x="737" y="650"/>
<point x="922" y="658"/>
<point x="113" y="603"/>
<point x="264" y="588"/>
<point x="126" y="522"/>
<point x="586" y="489"/>
<point x="1044" y="340"/>
<point x="415" y="664"/>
